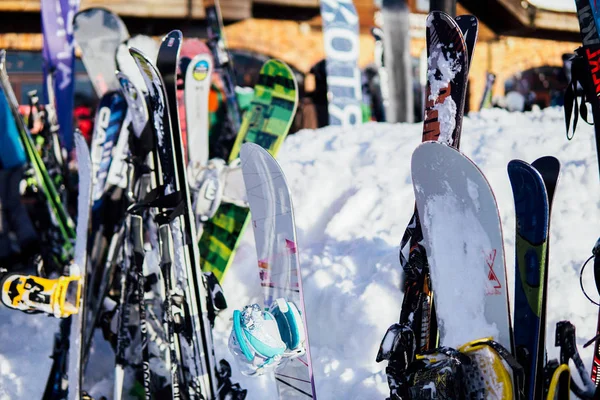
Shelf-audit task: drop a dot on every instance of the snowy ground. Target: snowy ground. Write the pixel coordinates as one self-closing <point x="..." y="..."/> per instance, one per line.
<point x="353" y="197"/>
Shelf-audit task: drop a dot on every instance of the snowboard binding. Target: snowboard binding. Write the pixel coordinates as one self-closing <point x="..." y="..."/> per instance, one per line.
<point x="216" y="183"/>
<point x="33" y="294"/>
<point x="480" y="369"/>
<point x="261" y="340"/>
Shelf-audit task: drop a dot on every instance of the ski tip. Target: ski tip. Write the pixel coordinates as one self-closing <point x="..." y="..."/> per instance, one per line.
<point x="175" y="33"/>
<point x="548" y="162"/>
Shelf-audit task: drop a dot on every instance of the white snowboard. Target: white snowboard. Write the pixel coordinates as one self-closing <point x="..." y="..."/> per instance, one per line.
<point x="279" y="266"/>
<point x="463" y="238"/>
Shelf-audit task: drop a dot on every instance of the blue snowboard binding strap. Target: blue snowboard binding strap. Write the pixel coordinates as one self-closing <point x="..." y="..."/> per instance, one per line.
<point x="291" y="327"/>
<point x="262" y="339"/>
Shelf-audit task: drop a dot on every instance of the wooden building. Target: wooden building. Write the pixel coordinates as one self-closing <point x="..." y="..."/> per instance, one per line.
<point x="514" y="35"/>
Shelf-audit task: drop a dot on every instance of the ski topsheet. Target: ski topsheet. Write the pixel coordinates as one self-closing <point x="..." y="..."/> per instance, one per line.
<point x="223" y="65"/>
<point x="278" y="263"/>
<point x="196" y="92"/>
<point x="448" y="63"/>
<point x="532" y="223"/>
<point x="109" y="124"/>
<point x="463" y="239"/>
<point x="344" y="83"/>
<point x="469" y="27"/>
<point x="99" y="32"/>
<point x="549" y="169"/>
<point x="266" y="122"/>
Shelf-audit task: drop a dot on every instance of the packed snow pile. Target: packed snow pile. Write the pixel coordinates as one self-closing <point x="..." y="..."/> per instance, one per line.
<point x="353" y="197"/>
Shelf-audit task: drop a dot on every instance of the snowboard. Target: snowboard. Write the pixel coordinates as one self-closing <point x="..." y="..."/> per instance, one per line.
<point x="65" y="380"/>
<point x="344" y="82"/>
<point x="78" y="268"/>
<point x="445" y="47"/>
<point x="99" y="32"/>
<point x="266" y="123"/>
<point x="532" y="227"/>
<point x="462" y="236"/>
<point x="278" y="264"/>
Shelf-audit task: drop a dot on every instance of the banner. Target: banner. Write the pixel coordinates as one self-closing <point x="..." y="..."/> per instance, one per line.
<point x="344" y="84"/>
<point x="59" y="62"/>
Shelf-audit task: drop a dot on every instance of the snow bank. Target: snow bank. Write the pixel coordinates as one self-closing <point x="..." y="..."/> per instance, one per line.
<point x="353" y="197"/>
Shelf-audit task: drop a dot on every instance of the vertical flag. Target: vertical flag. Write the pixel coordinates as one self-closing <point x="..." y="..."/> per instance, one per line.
<point x="59" y="62"/>
<point x="344" y="85"/>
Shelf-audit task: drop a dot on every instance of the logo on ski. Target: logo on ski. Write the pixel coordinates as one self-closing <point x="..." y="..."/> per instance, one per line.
<point x="594" y="64"/>
<point x="494" y="286"/>
<point x="200" y="70"/>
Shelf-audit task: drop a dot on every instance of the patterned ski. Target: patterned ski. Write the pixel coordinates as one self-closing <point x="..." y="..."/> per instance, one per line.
<point x="532" y="219"/>
<point x="549" y="168"/>
<point x="463" y="240"/>
<point x="278" y="263"/>
<point x="469" y="27"/>
<point x="266" y="123"/>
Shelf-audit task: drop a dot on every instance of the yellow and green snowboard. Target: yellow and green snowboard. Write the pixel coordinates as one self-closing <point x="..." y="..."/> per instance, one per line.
<point x="266" y="122"/>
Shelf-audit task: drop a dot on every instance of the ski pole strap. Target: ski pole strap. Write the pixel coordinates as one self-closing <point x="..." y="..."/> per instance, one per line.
<point x="565" y="339"/>
<point x="157" y="198"/>
<point x="578" y="77"/>
<point x="596" y="255"/>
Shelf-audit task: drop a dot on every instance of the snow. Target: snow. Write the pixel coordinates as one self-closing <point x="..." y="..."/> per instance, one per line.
<point x="447" y="68"/>
<point x="353" y="197"/>
<point x="452" y="259"/>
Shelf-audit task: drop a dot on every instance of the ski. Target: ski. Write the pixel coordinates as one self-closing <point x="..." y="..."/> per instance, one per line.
<point x="549" y="169"/>
<point x="223" y="65"/>
<point x="532" y="222"/>
<point x="486" y="99"/>
<point x="469" y="27"/>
